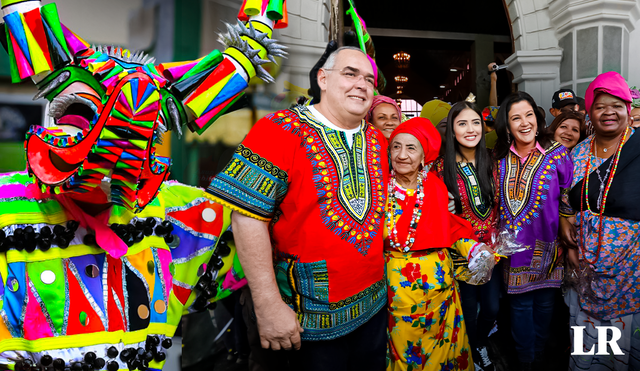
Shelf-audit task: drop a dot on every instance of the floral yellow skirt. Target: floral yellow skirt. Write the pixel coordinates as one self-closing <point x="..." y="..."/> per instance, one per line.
<point x="426" y="330"/>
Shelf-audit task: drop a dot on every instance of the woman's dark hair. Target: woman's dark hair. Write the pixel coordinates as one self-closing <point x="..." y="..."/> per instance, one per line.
<point x="569" y="115"/>
<point x="484" y="163"/>
<point x="502" y="124"/>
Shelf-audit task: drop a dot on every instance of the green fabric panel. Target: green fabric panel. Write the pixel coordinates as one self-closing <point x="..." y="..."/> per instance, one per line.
<point x="20" y="207"/>
<point x="188" y="20"/>
<point x="178" y="195"/>
<point x="52" y="295"/>
<point x="186" y="46"/>
<point x="20" y="178"/>
<point x="8" y="65"/>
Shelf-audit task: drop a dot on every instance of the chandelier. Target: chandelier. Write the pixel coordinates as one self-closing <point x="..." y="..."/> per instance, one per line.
<point x="401" y="79"/>
<point x="402" y="59"/>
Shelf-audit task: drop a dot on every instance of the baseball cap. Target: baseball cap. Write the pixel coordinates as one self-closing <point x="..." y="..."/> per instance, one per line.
<point x="563" y="97"/>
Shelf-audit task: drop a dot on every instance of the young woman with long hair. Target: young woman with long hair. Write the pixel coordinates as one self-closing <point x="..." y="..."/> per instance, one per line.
<point x="468" y="172"/>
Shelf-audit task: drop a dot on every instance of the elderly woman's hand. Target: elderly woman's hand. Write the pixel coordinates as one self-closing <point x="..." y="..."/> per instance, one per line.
<point x="568" y="232"/>
<point x="481" y="262"/>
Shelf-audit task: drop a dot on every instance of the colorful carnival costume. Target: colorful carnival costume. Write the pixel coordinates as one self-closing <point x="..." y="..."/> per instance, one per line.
<point x="324" y="199"/>
<point x="99" y="255"/>
<point x="605" y="287"/>
<point x="426" y="326"/>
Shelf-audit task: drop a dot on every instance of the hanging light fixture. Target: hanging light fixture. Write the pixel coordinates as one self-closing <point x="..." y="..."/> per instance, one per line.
<point x="402" y="59"/>
<point x="401" y="79"/>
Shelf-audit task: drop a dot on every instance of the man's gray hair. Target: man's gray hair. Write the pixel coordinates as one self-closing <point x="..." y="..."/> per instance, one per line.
<point x="331" y="60"/>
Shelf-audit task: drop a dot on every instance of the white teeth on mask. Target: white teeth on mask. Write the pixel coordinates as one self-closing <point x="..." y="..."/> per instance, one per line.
<point x="60" y="104"/>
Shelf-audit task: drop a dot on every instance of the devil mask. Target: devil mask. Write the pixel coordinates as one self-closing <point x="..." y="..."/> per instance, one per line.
<point x="110" y="107"/>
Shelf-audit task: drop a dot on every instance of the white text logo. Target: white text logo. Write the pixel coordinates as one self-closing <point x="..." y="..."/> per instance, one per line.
<point x="578" y="341"/>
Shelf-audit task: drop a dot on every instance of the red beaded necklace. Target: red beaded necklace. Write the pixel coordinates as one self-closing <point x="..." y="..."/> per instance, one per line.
<point x="585" y="191"/>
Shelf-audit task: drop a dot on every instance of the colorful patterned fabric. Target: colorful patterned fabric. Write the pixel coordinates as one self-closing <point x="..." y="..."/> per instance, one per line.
<point x="325" y="203"/>
<point x="530" y="194"/>
<point x="483" y="218"/>
<point x="65" y="301"/>
<point x="426" y="328"/>
<point x="616" y="279"/>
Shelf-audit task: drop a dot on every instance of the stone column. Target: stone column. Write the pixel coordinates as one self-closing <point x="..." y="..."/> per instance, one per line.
<point x="537" y="73"/>
<point x="306" y="37"/>
<point x="536" y="63"/>
<point x="594" y="35"/>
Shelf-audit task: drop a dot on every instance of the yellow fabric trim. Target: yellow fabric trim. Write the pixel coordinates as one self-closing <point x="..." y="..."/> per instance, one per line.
<point x="4" y="269"/>
<point x="242" y="59"/>
<point x="33" y="218"/>
<point x="11" y="2"/>
<point x="83" y="340"/>
<point x="463" y="246"/>
<point x="235" y="208"/>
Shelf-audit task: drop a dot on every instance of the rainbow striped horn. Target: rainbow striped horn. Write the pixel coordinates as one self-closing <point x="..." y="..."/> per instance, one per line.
<point x="210" y="86"/>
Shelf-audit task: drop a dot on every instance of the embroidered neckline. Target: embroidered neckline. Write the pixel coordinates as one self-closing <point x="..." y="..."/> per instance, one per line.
<point x="334" y="211"/>
<point x="354" y="193"/>
<point x="528" y="182"/>
<point x="472" y="188"/>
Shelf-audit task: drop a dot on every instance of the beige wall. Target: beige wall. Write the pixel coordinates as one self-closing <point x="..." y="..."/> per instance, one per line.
<point x="98" y="21"/>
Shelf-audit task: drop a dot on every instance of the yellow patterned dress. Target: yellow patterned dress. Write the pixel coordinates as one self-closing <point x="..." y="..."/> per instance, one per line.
<point x="426" y="327"/>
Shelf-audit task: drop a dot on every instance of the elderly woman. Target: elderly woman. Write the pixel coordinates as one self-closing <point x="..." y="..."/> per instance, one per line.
<point x="605" y="232"/>
<point x="568" y="128"/>
<point x="425" y="316"/>
<point x="533" y="171"/>
<point x="384" y="114"/>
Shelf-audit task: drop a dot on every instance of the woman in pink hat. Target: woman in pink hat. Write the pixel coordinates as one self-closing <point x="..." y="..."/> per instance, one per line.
<point x="603" y="235"/>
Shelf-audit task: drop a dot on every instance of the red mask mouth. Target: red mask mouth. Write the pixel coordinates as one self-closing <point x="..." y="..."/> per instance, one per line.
<point x="92" y="141"/>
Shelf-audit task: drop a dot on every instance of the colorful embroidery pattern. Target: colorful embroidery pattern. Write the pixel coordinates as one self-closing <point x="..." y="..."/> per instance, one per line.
<point x="524" y="187"/>
<point x="542" y="268"/>
<point x="534" y="213"/>
<point x="249" y="182"/>
<point x="467" y="173"/>
<point x="483" y="217"/>
<point x="335" y="210"/>
<point x="307" y="292"/>
<point x="354" y="193"/>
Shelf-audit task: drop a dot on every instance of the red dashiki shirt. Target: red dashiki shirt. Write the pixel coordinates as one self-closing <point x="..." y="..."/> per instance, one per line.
<point x="325" y="203"/>
<point x="483" y="217"/>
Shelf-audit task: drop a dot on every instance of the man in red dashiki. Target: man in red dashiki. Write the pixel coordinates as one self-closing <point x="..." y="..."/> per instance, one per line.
<point x="308" y="189"/>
